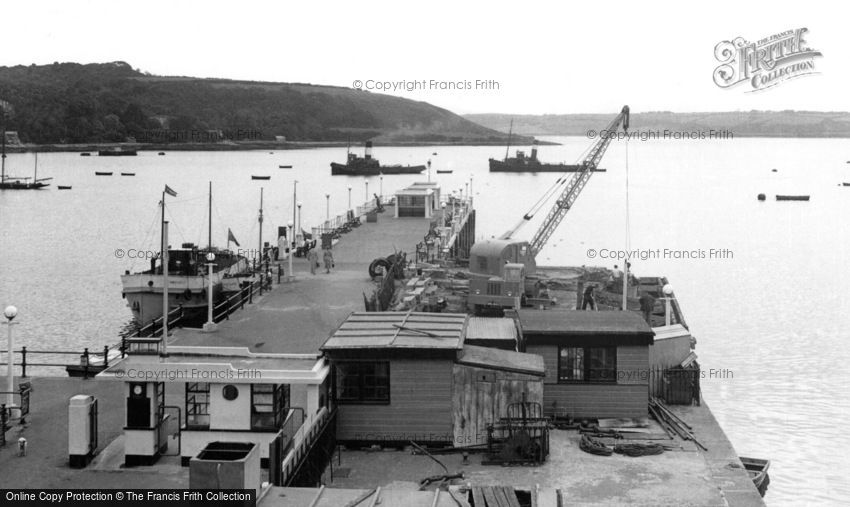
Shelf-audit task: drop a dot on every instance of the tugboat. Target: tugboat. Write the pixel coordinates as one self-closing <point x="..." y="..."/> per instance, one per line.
<point x="368" y="166"/>
<point x="530" y="164"/>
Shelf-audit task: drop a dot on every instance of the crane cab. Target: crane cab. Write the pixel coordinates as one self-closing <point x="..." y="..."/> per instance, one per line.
<point x="499" y="270"/>
<point x="489" y="256"/>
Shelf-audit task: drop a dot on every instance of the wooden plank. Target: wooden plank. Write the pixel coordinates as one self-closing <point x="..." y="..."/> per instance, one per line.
<point x="490" y="496"/>
<point x="510" y="496"/>
<point x="478" y="497"/>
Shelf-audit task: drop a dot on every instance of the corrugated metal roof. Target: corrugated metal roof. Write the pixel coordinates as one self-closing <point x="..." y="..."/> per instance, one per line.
<point x="575" y="322"/>
<point x="487" y="357"/>
<point x="412" y="330"/>
<point x="491" y="329"/>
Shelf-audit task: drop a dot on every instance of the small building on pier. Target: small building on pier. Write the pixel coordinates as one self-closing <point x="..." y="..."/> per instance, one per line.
<point x="410" y="376"/>
<point x="229" y="394"/>
<point x="597" y="363"/>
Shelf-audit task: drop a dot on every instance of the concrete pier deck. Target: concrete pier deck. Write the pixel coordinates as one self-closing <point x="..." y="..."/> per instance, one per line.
<point x="296" y="317"/>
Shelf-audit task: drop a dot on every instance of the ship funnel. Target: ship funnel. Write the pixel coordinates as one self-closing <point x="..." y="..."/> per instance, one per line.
<point x="534" y="150"/>
<point x="368" y="150"/>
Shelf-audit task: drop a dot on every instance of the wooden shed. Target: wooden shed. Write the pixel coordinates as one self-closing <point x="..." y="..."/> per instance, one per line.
<point x="597" y="363"/>
<point x="408" y="376"/>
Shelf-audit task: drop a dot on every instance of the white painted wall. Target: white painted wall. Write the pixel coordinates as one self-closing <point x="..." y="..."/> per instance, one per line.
<point x="230" y="415"/>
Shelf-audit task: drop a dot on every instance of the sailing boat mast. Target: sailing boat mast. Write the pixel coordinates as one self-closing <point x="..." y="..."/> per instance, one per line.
<point x="510" y="131"/>
<point x="3" y="155"/>
<point x="260" y="220"/>
<point x="35" y="174"/>
<point x="209" y="223"/>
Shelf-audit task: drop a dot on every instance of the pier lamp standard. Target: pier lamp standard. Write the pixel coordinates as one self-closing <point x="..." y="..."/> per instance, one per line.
<point x="429" y="170"/>
<point x="668" y="293"/>
<point x="349" y="196"/>
<point x="291" y="252"/>
<point x="210" y="325"/>
<point x="10" y="312"/>
<point x="328" y="208"/>
<point x="381" y="192"/>
<point x="299" y="219"/>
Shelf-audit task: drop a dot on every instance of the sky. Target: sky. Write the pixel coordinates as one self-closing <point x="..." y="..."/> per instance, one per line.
<point x="531" y="57"/>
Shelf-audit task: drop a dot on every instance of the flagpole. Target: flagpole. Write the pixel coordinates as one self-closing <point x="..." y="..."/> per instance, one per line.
<point x="164" y="263"/>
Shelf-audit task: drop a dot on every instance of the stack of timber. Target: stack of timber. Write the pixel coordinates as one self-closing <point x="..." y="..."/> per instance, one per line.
<point x="672" y="424"/>
<point x="494" y="496"/>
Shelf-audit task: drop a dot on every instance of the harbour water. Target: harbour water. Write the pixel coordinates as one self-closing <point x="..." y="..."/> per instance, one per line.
<point x="762" y="284"/>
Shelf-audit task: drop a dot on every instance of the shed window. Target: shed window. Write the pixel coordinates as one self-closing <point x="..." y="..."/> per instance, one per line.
<point x="269" y="404"/>
<point x="360" y="382"/>
<point x="587" y="364"/>
<point x="198" y="405"/>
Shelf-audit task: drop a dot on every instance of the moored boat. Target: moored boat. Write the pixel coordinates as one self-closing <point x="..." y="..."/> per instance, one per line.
<point x="792" y="197"/>
<point x="757" y="469"/>
<point x="522" y="163"/>
<point x="63" y="187"/>
<point x="254" y="177"/>
<point x="368" y="166"/>
<point x="103" y="173"/>
<point x="85" y="154"/>
<point x="116" y="152"/>
<point x="19" y="183"/>
<point x="128" y="174"/>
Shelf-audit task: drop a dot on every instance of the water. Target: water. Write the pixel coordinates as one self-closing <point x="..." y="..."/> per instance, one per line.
<point x="772" y="315"/>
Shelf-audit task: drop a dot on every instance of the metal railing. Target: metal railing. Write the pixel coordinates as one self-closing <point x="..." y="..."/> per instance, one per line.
<point x="345" y="222"/>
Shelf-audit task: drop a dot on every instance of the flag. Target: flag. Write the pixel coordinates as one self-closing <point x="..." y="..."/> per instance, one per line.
<point x="170" y="192"/>
<point x="231" y="237"/>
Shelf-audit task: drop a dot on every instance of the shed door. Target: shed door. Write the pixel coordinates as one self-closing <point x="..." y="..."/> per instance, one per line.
<point x="473" y="407"/>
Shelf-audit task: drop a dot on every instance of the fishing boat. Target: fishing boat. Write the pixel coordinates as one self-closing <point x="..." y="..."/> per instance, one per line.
<point x="757" y="468"/>
<point x="85" y="154"/>
<point x="63" y="187"/>
<point x="368" y="166"/>
<point x="117" y="152"/>
<point x="254" y="177"/>
<point x="792" y="197"/>
<point x="17" y="182"/>
<point x="128" y="174"/>
<point x="103" y="173"/>
<point x="188" y="280"/>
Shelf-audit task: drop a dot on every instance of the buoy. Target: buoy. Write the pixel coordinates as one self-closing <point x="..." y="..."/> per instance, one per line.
<point x="762" y="197"/>
<point x="773" y="170"/>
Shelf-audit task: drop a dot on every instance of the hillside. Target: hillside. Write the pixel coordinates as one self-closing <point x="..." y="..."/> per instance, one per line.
<point x="740" y="124"/>
<point x="112" y="102"/>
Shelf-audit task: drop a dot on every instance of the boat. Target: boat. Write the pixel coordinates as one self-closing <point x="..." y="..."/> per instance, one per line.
<point x="187" y="282"/>
<point x="128" y="174"/>
<point x="757" y="469"/>
<point x="117" y="152"/>
<point x="846" y="184"/>
<point x="161" y="153"/>
<point x="16" y="182"/>
<point x="253" y="177"/>
<point x="368" y="166"/>
<point x="63" y="187"/>
<point x="103" y="173"/>
<point x="444" y="171"/>
<point x="530" y="164"/>
<point x="285" y="166"/>
<point x="85" y="154"/>
<point x="792" y="197"/>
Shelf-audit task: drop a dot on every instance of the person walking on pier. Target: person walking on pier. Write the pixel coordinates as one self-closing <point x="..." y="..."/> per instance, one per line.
<point x="647" y="305"/>
<point x="329" y="260"/>
<point x="313" y="260"/>
<point x="587" y="298"/>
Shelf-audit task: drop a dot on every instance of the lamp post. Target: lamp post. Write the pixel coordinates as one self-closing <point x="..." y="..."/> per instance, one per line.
<point x="668" y="293"/>
<point x="429" y="170"/>
<point x="367" y="191"/>
<point x="328" y="208"/>
<point x="291" y="252"/>
<point x="11" y="312"/>
<point x="299" y="219"/>
<point x="349" y="196"/>
<point x="210" y="325"/>
<point x="381" y="192"/>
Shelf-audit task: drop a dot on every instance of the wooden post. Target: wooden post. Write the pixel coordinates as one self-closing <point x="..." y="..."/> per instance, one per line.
<point x="86" y="366"/>
<point x="23" y="362"/>
<point x="105" y="357"/>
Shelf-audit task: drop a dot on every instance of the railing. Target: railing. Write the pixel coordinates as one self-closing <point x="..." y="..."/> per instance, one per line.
<point x="334" y="227"/>
<point x="312" y="448"/>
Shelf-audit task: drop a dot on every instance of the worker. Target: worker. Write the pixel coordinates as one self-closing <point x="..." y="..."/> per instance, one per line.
<point x="616" y="274"/>
<point x="329" y="260"/>
<point x="313" y="260"/>
<point x="587" y="298"/>
<point x="647" y="305"/>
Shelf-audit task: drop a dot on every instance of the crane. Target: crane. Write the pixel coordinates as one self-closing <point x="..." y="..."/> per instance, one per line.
<point x="502" y="270"/>
<point x="572" y="187"/>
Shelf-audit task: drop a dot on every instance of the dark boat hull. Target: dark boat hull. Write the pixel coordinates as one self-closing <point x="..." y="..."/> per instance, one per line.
<point x="792" y="198"/>
<point x="9" y="185"/>
<point x="116" y="153"/>
<point x="62" y="187"/>
<point x="758" y="471"/>
<point x="97" y="173"/>
<point x="534" y="167"/>
<point x="346" y="170"/>
<point x="260" y="177"/>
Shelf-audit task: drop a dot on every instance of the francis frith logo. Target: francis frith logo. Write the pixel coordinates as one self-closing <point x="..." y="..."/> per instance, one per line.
<point x="766" y="63"/>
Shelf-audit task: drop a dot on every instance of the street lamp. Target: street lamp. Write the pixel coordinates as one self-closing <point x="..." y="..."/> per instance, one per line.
<point x="668" y="296"/>
<point x="328" y="208"/>
<point x="210" y="325"/>
<point x="291" y="252"/>
<point x="367" y="191"/>
<point x="10" y="312"/>
<point x="299" y="218"/>
<point x="349" y="196"/>
<point x="381" y="193"/>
